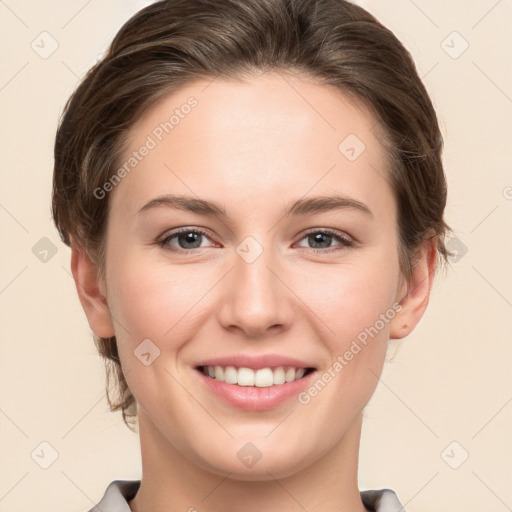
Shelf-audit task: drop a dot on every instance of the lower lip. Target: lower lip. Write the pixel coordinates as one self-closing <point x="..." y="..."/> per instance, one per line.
<point x="253" y="398"/>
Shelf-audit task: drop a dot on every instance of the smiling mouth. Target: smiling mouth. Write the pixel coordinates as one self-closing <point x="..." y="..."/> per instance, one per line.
<point x="262" y="377"/>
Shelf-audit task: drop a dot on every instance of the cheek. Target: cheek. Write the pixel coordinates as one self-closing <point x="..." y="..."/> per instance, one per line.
<point x="355" y="303"/>
<point x="350" y="298"/>
<point x="154" y="300"/>
<point x="357" y="309"/>
<point x="161" y="303"/>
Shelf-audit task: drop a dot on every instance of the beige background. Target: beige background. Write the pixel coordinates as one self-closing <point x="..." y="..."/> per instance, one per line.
<point x="449" y="381"/>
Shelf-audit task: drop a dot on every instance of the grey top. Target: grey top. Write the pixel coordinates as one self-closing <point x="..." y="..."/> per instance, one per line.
<point x="120" y="492"/>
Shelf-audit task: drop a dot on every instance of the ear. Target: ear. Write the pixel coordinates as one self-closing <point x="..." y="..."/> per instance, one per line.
<point x="92" y="293"/>
<point x="414" y="292"/>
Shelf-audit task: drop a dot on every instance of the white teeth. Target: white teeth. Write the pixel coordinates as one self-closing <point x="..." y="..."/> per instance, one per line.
<point x="300" y="373"/>
<point x="261" y="378"/>
<point x="279" y="377"/>
<point x="290" y="375"/>
<point x="264" y="378"/>
<point x="230" y="375"/>
<point x="245" y="377"/>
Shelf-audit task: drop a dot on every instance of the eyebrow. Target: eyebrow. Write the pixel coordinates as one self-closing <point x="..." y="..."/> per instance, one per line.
<point x="304" y="206"/>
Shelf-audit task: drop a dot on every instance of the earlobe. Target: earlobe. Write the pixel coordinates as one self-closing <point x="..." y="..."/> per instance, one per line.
<point x="91" y="292"/>
<point x="415" y="293"/>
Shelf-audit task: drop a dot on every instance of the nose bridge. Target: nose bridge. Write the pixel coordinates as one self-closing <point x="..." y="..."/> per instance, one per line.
<point x="256" y="299"/>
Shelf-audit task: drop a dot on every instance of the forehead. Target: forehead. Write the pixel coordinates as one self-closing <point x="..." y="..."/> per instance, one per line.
<point x="274" y="132"/>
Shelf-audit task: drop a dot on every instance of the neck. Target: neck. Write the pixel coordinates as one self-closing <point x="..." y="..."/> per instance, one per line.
<point x="171" y="482"/>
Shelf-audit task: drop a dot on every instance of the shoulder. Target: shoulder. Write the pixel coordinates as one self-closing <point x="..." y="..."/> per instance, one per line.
<point x="120" y="492"/>
<point x="381" y="500"/>
<point x="117" y="496"/>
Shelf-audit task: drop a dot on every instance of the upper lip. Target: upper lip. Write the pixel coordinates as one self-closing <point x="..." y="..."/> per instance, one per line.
<point x="254" y="362"/>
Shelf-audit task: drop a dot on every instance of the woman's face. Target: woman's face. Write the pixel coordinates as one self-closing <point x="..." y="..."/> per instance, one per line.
<point x="299" y="272"/>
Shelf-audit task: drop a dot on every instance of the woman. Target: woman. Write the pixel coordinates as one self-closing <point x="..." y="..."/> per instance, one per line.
<point x="254" y="196"/>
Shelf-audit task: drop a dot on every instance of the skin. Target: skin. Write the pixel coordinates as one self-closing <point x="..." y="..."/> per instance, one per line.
<point x="254" y="147"/>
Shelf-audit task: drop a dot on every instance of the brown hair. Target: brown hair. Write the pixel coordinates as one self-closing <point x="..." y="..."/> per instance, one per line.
<point x="174" y="42"/>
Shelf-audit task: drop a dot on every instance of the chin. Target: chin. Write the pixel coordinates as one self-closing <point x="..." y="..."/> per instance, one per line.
<point x="248" y="461"/>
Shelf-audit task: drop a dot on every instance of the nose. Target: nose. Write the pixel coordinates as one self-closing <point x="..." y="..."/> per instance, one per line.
<point x="256" y="300"/>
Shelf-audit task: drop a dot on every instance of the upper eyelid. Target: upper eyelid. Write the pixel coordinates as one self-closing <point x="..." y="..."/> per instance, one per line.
<point x="178" y="231"/>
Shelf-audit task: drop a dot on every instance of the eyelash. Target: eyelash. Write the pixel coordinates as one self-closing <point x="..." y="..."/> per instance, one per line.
<point x="344" y="241"/>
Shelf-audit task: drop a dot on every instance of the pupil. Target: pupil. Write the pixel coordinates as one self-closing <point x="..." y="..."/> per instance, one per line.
<point x="191" y="238"/>
<point x="317" y="238"/>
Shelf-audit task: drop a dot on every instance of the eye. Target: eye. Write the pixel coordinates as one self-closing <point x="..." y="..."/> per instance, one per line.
<point x="188" y="239"/>
<point x="322" y="240"/>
